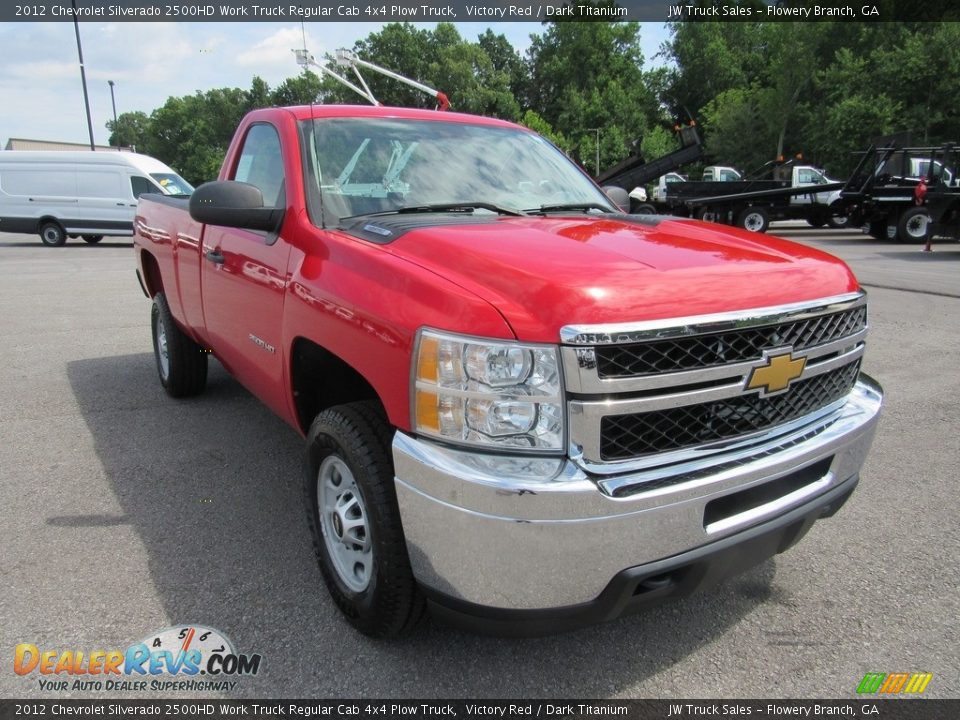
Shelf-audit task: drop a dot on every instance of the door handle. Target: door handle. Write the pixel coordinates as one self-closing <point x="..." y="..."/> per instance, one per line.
<point x="214" y="256"/>
<point x="120" y="204"/>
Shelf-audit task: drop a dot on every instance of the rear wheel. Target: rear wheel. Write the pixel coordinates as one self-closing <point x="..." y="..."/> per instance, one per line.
<point x="181" y="363"/>
<point x="355" y="521"/>
<point x="92" y="239"/>
<point x="914" y="225"/>
<point x="816" y="221"/>
<point x="52" y="235"/>
<point x="754" y="219"/>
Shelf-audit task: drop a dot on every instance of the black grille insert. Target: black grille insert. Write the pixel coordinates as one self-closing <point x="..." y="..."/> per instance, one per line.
<point x="624" y="437"/>
<point x="691" y="353"/>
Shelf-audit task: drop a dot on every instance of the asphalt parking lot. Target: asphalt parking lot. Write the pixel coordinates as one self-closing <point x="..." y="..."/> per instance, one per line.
<point x="125" y="512"/>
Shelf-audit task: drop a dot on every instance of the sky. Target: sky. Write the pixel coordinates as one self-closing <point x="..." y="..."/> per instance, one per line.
<point x="41" y="96"/>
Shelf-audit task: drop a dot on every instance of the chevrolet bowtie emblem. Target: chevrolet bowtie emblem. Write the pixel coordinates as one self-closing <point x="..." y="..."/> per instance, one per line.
<point x="776" y="374"/>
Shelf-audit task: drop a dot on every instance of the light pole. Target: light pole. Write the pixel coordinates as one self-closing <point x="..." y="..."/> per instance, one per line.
<point x="597" y="131"/>
<point x="83" y="74"/>
<point x="116" y="130"/>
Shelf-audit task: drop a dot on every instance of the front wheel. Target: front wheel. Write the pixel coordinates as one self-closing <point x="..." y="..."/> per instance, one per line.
<point x="355" y="521"/>
<point x="754" y="219"/>
<point x="837" y="217"/>
<point x="181" y="363"/>
<point x="914" y="225"/>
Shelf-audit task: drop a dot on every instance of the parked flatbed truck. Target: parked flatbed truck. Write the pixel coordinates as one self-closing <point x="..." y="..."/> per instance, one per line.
<point x="791" y="191"/>
<point x="521" y="408"/>
<point x="886" y="193"/>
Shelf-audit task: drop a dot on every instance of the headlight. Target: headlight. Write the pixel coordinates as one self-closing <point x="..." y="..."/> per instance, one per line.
<point x="489" y="393"/>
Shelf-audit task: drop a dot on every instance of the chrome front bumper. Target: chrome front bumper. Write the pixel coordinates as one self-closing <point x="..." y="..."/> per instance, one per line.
<point x="524" y="534"/>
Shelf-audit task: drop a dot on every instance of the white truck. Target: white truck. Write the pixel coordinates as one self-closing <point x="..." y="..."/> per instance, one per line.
<point x="792" y="192"/>
<point x="78" y="193"/>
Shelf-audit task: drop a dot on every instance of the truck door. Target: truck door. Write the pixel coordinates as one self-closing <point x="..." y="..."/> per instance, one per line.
<point x="243" y="278"/>
<point x="806" y="177"/>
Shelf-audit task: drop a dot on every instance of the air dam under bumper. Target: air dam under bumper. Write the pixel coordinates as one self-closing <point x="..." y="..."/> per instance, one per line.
<point x="533" y="545"/>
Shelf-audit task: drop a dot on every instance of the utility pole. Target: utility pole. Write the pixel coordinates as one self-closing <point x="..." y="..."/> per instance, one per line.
<point x="83" y="75"/>
<point x="116" y="130"/>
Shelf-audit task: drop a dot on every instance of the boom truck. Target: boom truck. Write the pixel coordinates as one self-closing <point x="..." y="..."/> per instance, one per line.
<point x="522" y="408"/>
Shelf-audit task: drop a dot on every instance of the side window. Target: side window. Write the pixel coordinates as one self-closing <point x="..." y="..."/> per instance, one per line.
<point x="140" y="186"/>
<point x="728" y="176"/>
<point x="261" y="163"/>
<point x="806" y="177"/>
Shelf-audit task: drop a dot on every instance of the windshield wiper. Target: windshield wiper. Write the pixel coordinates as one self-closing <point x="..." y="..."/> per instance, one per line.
<point x="461" y="207"/>
<point x="559" y="207"/>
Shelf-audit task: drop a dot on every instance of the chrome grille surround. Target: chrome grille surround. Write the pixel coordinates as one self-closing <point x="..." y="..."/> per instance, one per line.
<point x="668" y="404"/>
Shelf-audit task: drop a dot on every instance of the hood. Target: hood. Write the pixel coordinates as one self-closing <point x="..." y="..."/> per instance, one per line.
<point x="542" y="273"/>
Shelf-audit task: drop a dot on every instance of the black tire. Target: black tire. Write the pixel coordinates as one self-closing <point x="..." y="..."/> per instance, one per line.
<point x="52" y="235"/>
<point x="382" y="599"/>
<point x="92" y="239"/>
<point x="181" y="363"/>
<point x="644" y="209"/>
<point x="754" y="219"/>
<point x="816" y="221"/>
<point x="877" y="229"/>
<point x="914" y="225"/>
<point x="837" y="216"/>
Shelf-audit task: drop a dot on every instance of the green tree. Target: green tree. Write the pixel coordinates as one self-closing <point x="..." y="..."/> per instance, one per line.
<point x="708" y="59"/>
<point x="730" y="122"/>
<point x="302" y="89"/>
<point x="589" y="75"/>
<point x="131" y="130"/>
<point x="540" y="126"/>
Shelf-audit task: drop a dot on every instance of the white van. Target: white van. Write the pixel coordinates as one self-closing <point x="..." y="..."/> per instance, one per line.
<point x="78" y="193"/>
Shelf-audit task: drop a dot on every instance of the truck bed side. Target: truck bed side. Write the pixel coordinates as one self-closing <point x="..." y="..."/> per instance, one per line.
<point x="167" y="242"/>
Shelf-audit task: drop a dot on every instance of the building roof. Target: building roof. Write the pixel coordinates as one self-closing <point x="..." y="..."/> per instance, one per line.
<point x="28" y="144"/>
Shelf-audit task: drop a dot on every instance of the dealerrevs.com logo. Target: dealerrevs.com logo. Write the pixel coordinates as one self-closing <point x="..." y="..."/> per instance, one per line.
<point x="188" y="657"/>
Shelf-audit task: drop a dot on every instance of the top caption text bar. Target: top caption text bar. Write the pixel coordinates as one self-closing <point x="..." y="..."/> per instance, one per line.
<point x="479" y="11"/>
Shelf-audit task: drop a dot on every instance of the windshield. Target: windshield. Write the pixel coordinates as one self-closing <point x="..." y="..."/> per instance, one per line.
<point x="362" y="166"/>
<point x="172" y="184"/>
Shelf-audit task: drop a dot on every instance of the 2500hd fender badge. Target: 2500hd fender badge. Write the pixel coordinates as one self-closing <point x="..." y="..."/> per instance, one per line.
<point x="778" y="370"/>
<point x="259" y="342"/>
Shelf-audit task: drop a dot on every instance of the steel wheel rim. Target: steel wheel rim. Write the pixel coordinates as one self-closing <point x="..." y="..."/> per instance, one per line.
<point x="917" y="226"/>
<point x="753" y="222"/>
<point x="163" y="352"/>
<point x="50" y="235"/>
<point x="344" y="523"/>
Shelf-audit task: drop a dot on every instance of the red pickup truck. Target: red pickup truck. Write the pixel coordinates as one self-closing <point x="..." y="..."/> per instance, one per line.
<point x="523" y="408"/>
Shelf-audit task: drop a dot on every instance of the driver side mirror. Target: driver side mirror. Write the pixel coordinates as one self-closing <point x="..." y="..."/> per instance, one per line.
<point x="233" y="204"/>
<point x="619" y="197"/>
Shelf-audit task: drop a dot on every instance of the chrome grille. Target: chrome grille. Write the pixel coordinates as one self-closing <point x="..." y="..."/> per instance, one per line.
<point x="689" y="353"/>
<point x="635" y="435"/>
<point x="661" y="392"/>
